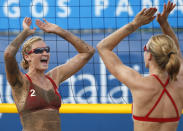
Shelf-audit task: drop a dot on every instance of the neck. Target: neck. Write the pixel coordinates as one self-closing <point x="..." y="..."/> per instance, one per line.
<point x="36" y="73"/>
<point x="154" y="69"/>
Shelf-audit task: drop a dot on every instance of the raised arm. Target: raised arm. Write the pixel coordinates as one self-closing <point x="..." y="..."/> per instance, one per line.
<point x="85" y="51"/>
<point x="165" y="27"/>
<point x="122" y="72"/>
<point x="13" y="74"/>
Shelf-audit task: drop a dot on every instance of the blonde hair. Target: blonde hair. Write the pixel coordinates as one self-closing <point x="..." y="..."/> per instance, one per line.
<point x="27" y="46"/>
<point x="165" y="52"/>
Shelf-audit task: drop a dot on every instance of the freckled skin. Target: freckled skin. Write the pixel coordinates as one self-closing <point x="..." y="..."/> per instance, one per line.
<point x="42" y="119"/>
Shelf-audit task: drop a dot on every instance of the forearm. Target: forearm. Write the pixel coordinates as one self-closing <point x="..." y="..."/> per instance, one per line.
<point x="79" y="44"/>
<point x="14" y="46"/>
<point x="114" y="39"/>
<point x="166" y="29"/>
<point x="12" y="72"/>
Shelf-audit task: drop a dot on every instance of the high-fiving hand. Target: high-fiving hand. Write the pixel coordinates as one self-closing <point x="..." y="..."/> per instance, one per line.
<point x="162" y="17"/>
<point x="145" y="16"/>
<point x="47" y="27"/>
<point x="26" y="25"/>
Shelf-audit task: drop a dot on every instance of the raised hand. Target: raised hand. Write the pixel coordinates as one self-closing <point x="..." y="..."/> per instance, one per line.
<point x="162" y="17"/>
<point x="47" y="27"/>
<point x="145" y="16"/>
<point x="26" y="25"/>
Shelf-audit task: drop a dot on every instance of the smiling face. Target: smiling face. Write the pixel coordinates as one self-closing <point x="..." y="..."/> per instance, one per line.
<point x="39" y="56"/>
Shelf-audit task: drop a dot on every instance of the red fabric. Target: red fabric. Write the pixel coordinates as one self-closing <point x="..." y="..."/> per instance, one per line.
<point x="36" y="101"/>
<point x="147" y="118"/>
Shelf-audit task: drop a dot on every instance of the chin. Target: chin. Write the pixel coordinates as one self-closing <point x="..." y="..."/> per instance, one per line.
<point x="43" y="68"/>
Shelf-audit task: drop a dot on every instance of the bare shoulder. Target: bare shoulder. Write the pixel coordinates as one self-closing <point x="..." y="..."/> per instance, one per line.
<point x="144" y="84"/>
<point x="54" y="74"/>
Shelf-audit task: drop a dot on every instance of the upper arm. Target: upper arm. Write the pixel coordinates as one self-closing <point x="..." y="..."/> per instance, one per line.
<point x="63" y="72"/>
<point x="131" y="78"/>
<point x="13" y="74"/>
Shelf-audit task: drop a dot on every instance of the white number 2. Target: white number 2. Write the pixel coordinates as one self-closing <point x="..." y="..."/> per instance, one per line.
<point x="33" y="92"/>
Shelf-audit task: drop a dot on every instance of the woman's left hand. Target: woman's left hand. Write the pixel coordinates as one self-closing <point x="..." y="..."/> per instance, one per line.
<point x="47" y="27"/>
<point x="162" y="17"/>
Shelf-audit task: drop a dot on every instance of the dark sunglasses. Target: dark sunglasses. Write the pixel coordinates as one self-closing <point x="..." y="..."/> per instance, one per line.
<point x="39" y="50"/>
<point x="145" y="48"/>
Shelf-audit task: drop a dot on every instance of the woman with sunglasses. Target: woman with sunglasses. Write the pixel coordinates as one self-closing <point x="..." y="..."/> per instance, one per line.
<point x="158" y="97"/>
<point x="36" y="93"/>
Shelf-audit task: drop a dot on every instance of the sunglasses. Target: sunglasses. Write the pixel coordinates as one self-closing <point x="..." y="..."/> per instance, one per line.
<point x="39" y="50"/>
<point x="145" y="48"/>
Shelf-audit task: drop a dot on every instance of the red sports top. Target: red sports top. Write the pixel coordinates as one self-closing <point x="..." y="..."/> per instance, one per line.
<point x="39" y="98"/>
<point x="152" y="119"/>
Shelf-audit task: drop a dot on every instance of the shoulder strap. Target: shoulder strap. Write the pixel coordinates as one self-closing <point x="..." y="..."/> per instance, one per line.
<point x="52" y="81"/>
<point x="164" y="91"/>
<point x="166" y="83"/>
<point x="31" y="85"/>
<point x="28" y="78"/>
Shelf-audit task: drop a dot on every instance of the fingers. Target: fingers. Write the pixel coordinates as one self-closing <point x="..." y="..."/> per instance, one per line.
<point x="169" y="7"/>
<point x="152" y="18"/>
<point x="142" y="12"/>
<point x="27" y="20"/>
<point x="26" y="25"/>
<point x="173" y="6"/>
<point x="40" y="24"/>
<point x="45" y="21"/>
<point x="150" y="11"/>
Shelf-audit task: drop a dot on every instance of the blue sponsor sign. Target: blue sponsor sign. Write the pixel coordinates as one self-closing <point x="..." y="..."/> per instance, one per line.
<point x="82" y="14"/>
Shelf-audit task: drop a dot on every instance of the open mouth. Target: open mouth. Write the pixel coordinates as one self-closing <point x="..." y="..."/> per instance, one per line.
<point x="44" y="60"/>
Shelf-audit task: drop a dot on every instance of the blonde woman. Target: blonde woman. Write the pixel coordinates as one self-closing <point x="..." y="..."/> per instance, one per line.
<point x="158" y="97"/>
<point x="36" y="93"/>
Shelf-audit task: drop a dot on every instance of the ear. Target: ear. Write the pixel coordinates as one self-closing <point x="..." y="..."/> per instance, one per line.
<point x="27" y="58"/>
<point x="149" y="56"/>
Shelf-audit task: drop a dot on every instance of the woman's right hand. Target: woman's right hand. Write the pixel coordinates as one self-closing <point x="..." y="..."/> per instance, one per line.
<point x="26" y="25"/>
<point x="167" y="8"/>
<point x="145" y="16"/>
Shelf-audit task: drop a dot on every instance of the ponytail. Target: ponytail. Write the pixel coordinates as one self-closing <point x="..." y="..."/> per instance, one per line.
<point x="173" y="66"/>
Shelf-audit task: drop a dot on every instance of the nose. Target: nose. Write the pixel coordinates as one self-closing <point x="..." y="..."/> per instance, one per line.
<point x="44" y="52"/>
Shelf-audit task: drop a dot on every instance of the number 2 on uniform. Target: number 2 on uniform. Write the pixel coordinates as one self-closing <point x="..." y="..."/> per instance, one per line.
<point x="33" y="92"/>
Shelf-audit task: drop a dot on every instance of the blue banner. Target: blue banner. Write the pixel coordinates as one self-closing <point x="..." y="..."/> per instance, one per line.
<point x="82" y="14"/>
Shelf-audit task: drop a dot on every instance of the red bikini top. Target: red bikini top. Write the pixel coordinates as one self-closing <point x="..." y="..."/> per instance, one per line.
<point x="152" y="119"/>
<point x="39" y="98"/>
